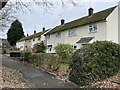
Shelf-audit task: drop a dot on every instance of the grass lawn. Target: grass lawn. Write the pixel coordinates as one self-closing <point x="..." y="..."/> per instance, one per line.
<point x="7" y="55"/>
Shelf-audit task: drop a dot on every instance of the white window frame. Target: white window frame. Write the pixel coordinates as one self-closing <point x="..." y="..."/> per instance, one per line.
<point x="72" y="33"/>
<point x="58" y="35"/>
<point x="93" y="28"/>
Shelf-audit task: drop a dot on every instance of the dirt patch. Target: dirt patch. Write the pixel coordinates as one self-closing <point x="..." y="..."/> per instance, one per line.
<point x="108" y="83"/>
<point x="12" y="79"/>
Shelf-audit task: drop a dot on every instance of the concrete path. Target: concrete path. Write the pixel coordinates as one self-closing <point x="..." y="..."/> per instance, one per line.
<point x="36" y="77"/>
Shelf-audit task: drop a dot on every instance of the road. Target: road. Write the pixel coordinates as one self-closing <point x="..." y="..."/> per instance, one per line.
<point x="33" y="76"/>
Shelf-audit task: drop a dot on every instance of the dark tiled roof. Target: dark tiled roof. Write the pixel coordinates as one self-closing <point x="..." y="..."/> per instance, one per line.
<point x="33" y="36"/>
<point x="85" y="40"/>
<point x="96" y="17"/>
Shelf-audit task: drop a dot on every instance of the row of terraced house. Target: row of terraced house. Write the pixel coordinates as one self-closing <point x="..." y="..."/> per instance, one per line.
<point x="102" y="25"/>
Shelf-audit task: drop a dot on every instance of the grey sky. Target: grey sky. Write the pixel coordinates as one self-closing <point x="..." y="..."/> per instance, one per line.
<point x="38" y="18"/>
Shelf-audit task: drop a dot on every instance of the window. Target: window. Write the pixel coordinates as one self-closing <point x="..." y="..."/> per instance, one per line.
<point x="49" y="47"/>
<point x="72" y="33"/>
<point x="58" y="35"/>
<point x="93" y="28"/>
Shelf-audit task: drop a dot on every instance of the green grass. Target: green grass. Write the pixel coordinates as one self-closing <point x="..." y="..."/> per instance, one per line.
<point x="7" y="54"/>
<point x="64" y="66"/>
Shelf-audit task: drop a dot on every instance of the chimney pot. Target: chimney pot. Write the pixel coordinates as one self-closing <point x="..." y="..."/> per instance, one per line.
<point x="62" y="21"/>
<point x="90" y="11"/>
<point x="43" y="28"/>
<point x="34" y="32"/>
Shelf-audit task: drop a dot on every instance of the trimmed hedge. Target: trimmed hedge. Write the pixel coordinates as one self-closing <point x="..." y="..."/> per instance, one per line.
<point x="95" y="62"/>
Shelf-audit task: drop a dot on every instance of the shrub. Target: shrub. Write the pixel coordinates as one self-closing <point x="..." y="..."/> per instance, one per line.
<point x="4" y="51"/>
<point x="95" y="62"/>
<point x="37" y="59"/>
<point x="42" y="58"/>
<point x="52" y="61"/>
<point x="64" y="51"/>
<point x="40" y="47"/>
<point x="27" y="56"/>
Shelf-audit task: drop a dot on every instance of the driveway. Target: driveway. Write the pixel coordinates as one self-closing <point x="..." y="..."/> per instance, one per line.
<point x="33" y="76"/>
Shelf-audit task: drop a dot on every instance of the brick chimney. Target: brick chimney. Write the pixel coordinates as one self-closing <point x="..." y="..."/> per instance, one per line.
<point x="43" y="28"/>
<point x="90" y="11"/>
<point x="62" y="21"/>
<point x="34" y="32"/>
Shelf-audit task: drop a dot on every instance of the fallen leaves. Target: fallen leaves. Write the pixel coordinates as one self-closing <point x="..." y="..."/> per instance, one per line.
<point x="12" y="79"/>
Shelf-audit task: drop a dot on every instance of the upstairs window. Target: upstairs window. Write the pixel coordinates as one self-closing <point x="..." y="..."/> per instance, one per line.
<point x="93" y="28"/>
<point x="72" y="33"/>
<point x="58" y="35"/>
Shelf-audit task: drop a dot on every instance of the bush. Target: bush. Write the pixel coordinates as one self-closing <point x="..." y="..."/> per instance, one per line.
<point x="52" y="61"/>
<point x="37" y="59"/>
<point x="95" y="62"/>
<point x="27" y="56"/>
<point x="4" y="51"/>
<point x="49" y="59"/>
<point x="40" y="47"/>
<point x="64" y="51"/>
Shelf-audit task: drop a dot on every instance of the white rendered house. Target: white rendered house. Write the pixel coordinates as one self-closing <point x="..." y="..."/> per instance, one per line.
<point x="102" y="25"/>
<point x="27" y="43"/>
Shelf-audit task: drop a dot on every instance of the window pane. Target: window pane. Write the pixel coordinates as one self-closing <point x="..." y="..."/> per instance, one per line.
<point x="71" y="32"/>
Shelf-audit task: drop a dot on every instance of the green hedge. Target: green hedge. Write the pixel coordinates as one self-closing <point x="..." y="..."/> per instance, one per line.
<point x="27" y="55"/>
<point x="95" y="62"/>
<point x="51" y="60"/>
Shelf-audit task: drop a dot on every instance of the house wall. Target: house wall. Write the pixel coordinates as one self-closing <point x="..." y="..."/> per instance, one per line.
<point x="81" y="32"/>
<point x="21" y="45"/>
<point x="41" y="38"/>
<point x="34" y="42"/>
<point x="84" y="32"/>
<point x="28" y="45"/>
<point x="119" y="23"/>
<point x="112" y="26"/>
<point x="55" y="41"/>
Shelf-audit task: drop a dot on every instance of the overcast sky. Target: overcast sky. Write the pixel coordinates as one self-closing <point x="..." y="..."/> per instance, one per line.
<point x="40" y="18"/>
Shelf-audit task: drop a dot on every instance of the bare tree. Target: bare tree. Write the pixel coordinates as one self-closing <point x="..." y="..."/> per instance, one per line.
<point x="7" y="14"/>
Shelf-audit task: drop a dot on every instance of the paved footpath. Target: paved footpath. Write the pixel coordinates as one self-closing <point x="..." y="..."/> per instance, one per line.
<point x="33" y="76"/>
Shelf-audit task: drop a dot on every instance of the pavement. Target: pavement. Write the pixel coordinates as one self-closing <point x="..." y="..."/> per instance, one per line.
<point x="36" y="77"/>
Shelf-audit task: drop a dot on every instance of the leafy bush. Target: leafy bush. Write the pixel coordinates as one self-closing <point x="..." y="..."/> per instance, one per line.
<point x="37" y="59"/>
<point x="40" y="47"/>
<point x="95" y="62"/>
<point x="64" y="51"/>
<point x="27" y="56"/>
<point x="42" y="58"/>
<point x="52" y="61"/>
<point x="4" y="51"/>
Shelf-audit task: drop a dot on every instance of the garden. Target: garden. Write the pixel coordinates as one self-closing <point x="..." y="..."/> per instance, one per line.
<point x="94" y="65"/>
